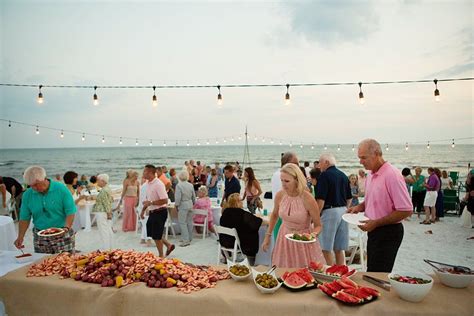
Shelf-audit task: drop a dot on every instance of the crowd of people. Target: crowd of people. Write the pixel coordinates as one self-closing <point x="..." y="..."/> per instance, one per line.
<point x="306" y="200"/>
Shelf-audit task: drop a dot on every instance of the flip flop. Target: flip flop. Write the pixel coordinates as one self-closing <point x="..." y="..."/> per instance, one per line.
<point x="170" y="249"/>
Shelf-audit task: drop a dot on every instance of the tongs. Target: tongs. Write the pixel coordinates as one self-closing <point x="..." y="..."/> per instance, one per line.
<point x="460" y="269"/>
<point x="378" y="282"/>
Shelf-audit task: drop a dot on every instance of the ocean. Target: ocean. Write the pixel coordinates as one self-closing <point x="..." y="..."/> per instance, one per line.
<point x="264" y="159"/>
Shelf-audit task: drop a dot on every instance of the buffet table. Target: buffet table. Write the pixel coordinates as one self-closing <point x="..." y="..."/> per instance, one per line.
<point x="53" y="296"/>
<point x="7" y="233"/>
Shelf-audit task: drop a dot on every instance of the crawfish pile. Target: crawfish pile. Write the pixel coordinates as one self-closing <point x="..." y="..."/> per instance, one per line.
<point x="119" y="268"/>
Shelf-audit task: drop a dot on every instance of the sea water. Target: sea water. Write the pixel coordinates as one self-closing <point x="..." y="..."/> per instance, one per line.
<point x="264" y="159"/>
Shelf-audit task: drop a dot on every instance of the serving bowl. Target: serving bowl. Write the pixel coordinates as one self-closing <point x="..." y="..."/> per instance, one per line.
<point x="411" y="292"/>
<point x="239" y="277"/>
<point x="454" y="280"/>
<point x="262" y="289"/>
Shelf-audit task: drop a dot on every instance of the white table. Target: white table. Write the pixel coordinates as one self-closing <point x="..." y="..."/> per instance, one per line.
<point x="8" y="263"/>
<point x="84" y="212"/>
<point x="7" y="233"/>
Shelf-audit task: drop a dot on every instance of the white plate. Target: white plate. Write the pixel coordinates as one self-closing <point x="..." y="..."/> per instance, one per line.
<point x="289" y="237"/>
<point x="237" y="277"/>
<point x="41" y="233"/>
<point x="354" y="219"/>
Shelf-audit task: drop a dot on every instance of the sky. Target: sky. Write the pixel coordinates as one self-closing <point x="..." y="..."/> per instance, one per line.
<point x="223" y="42"/>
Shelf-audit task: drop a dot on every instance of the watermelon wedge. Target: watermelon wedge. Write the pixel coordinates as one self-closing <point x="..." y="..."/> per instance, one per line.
<point x="294" y="281"/>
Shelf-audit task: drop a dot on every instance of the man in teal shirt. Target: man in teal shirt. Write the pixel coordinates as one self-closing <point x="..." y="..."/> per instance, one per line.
<point x="50" y="204"/>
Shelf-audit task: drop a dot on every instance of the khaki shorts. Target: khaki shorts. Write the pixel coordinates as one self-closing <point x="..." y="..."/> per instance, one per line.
<point x="430" y="198"/>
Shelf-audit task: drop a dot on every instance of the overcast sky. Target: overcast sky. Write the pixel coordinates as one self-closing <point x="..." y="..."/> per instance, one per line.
<point x="210" y="43"/>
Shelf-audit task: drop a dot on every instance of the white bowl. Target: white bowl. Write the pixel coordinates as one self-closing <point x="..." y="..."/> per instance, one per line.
<point x="261" y="288"/>
<point x="454" y="280"/>
<point x="24" y="259"/>
<point x="411" y="292"/>
<point x="238" y="277"/>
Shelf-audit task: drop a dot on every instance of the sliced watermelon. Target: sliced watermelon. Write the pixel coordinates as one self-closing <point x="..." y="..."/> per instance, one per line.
<point x="325" y="289"/>
<point x="346" y="297"/>
<point x="333" y="286"/>
<point x="285" y="275"/>
<point x="316" y="266"/>
<point x="370" y="291"/>
<point x="345" y="285"/>
<point x="349" y="282"/>
<point x="305" y="275"/>
<point x="359" y="293"/>
<point x="294" y="281"/>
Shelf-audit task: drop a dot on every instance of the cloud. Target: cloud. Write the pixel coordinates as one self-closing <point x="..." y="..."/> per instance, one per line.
<point x="329" y="22"/>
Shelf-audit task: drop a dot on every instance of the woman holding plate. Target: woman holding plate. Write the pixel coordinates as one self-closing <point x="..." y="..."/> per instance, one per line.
<point x="300" y="214"/>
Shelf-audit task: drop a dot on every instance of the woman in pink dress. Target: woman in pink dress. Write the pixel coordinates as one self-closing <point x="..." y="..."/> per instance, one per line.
<point x="130" y="198"/>
<point x="300" y="214"/>
<point x="203" y="202"/>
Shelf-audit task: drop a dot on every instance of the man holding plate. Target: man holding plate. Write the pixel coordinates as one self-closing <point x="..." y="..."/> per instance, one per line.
<point x="387" y="202"/>
<point x="51" y="205"/>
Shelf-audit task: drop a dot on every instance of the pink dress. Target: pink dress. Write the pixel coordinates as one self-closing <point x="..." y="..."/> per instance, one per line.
<point x="295" y="219"/>
<point x="129" y="215"/>
<point x="204" y="204"/>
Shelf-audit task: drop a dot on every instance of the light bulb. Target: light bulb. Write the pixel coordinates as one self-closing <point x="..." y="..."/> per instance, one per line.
<point x="406" y="146"/>
<point x="386" y="148"/>
<point x="120" y="142"/>
<point x="219" y="97"/>
<point x="436" y="92"/>
<point x="338" y="147"/>
<point x="154" y="100"/>
<point x="136" y="142"/>
<point x="40" y="95"/>
<point x="453" y="145"/>
<point x="353" y="147"/>
<point x="37" y="130"/>
<point x="95" y="98"/>
<point x="287" y="95"/>
<point x="62" y="134"/>
<point x="325" y="147"/>
<point x="151" y="143"/>
<point x="83" y="137"/>
<point x="361" y="94"/>
<point x="103" y="139"/>
<point x="164" y="144"/>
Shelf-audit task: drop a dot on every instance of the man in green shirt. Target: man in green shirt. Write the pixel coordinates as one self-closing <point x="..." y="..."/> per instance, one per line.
<point x="49" y="204"/>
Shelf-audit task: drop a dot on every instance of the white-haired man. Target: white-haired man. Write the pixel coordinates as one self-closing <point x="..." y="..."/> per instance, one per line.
<point x="49" y="204"/>
<point x="333" y="193"/>
<point x="387" y="202"/>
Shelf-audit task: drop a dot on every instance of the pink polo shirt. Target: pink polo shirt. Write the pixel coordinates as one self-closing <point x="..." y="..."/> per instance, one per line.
<point x="385" y="192"/>
<point x="156" y="191"/>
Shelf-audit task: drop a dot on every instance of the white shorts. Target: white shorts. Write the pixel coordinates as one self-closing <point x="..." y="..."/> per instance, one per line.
<point x="430" y="198"/>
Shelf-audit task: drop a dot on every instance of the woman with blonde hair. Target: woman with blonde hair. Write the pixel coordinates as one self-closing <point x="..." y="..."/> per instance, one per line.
<point x="103" y="211"/>
<point x="300" y="214"/>
<point x="246" y="224"/>
<point x="130" y="197"/>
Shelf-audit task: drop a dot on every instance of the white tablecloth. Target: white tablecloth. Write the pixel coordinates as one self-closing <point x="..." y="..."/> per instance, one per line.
<point x="83" y="215"/>
<point x="8" y="263"/>
<point x="7" y="233"/>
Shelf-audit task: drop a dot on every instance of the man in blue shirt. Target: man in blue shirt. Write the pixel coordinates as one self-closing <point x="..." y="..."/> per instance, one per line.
<point x="231" y="184"/>
<point x="333" y="194"/>
<point x="50" y="205"/>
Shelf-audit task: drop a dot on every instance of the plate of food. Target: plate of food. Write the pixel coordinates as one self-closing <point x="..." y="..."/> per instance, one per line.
<point x="348" y="292"/>
<point x="334" y="272"/>
<point x="298" y="281"/>
<point x="355" y="219"/>
<point x="304" y="238"/>
<point x="51" y="232"/>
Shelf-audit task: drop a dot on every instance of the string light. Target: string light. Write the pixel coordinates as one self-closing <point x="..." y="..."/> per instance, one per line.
<point x="338" y="147"/>
<point x="217" y="141"/>
<point x="9" y="123"/>
<point x="225" y="140"/>
<point x="187" y="144"/>
<point x="207" y="143"/>
<point x="120" y="142"/>
<point x="83" y="137"/>
<point x="353" y="147"/>
<point x="219" y="96"/>
<point x="263" y="139"/>
<point x="151" y="143"/>
<point x="232" y="139"/>
<point x="164" y="143"/>
<point x="103" y="139"/>
<point x="154" y="100"/>
<point x="428" y="146"/>
<point x="436" y="92"/>
<point x="361" y="94"/>
<point x="453" y="145"/>
<point x="240" y="137"/>
<point x="325" y="147"/>
<point x="256" y="138"/>
<point x="386" y="147"/>
<point x="199" y="143"/>
<point x="40" y="95"/>
<point x="291" y="145"/>
<point x="271" y="141"/>
<point x="406" y="146"/>
<point x="301" y="146"/>
<point x="312" y="146"/>
<point x="281" y="143"/>
<point x="37" y="130"/>
<point x="95" y="98"/>
<point x="136" y="142"/>
<point x="62" y="134"/>
<point x="287" y="95"/>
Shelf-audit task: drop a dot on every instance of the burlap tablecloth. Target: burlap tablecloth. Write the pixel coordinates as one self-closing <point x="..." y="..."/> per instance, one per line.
<point x="53" y="296"/>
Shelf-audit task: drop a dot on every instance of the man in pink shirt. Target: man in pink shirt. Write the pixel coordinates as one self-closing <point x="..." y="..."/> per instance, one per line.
<point x="386" y="204"/>
<point x="156" y="201"/>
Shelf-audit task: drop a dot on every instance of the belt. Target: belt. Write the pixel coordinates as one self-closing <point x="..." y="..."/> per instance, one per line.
<point x="158" y="210"/>
<point x="325" y="207"/>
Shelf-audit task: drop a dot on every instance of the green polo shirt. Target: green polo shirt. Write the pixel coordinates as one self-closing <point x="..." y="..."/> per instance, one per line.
<point x="49" y="209"/>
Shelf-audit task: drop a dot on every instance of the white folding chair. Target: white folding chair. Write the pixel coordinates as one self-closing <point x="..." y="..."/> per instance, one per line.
<point x="203" y="225"/>
<point x="169" y="224"/>
<point x="220" y="230"/>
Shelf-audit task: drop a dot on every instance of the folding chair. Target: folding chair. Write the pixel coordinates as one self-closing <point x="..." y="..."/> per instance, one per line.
<point x="230" y="232"/>
<point x="203" y="225"/>
<point x="169" y="224"/>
